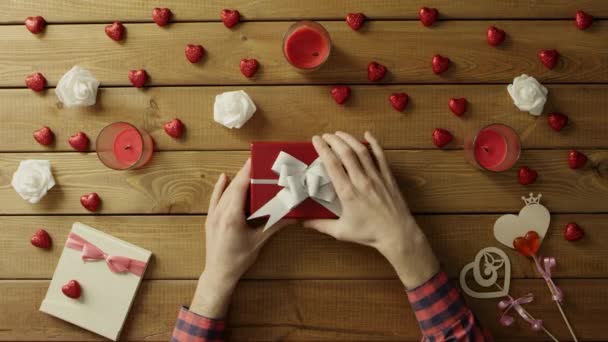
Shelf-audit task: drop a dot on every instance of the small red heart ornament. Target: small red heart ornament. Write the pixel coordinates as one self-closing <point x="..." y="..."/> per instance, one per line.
<point x="116" y="31"/>
<point x="41" y="239"/>
<point x="230" y="17"/>
<point x="174" y="128"/>
<point x="527" y="176"/>
<point x="161" y="16"/>
<point x="548" y="58"/>
<point x="35" y="82"/>
<point x="428" y="16"/>
<point x="576" y="159"/>
<point x="194" y="53"/>
<point x="79" y="141"/>
<point x="44" y="136"/>
<point x="495" y="36"/>
<point x="527" y="245"/>
<point x="442" y="137"/>
<point x="340" y="94"/>
<point x="138" y="77"/>
<point x="440" y="64"/>
<point x="35" y="24"/>
<point x="72" y="289"/>
<point x="249" y="67"/>
<point x="355" y="20"/>
<point x="458" y="106"/>
<point x="399" y="101"/>
<point x="90" y="201"/>
<point x="375" y="71"/>
<point x="557" y="121"/>
<point x="573" y="232"/>
<point x="583" y="20"/>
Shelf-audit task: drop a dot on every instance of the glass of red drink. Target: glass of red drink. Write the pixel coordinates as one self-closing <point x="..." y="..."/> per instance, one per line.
<point x="306" y="45"/>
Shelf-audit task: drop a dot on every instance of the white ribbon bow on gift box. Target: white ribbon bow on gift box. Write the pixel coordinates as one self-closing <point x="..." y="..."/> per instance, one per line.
<point x="299" y="181"/>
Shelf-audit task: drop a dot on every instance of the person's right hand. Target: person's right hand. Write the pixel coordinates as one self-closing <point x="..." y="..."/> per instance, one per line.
<point x="374" y="212"/>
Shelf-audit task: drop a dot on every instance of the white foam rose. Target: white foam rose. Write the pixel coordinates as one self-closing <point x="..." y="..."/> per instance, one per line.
<point x="232" y="109"/>
<point x="77" y="88"/>
<point x="528" y="94"/>
<point x="33" y="179"/>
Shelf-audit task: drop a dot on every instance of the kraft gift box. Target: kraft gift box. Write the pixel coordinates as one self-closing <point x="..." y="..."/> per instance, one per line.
<point x="106" y="296"/>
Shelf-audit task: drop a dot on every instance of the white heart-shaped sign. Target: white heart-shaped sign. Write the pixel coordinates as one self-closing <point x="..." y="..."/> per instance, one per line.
<point x="491" y="259"/>
<point x="531" y="217"/>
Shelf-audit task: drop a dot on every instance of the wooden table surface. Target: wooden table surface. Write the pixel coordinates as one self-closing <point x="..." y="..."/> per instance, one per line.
<point x="305" y="286"/>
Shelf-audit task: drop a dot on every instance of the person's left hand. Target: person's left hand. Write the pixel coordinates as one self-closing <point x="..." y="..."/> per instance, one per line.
<point x="231" y="245"/>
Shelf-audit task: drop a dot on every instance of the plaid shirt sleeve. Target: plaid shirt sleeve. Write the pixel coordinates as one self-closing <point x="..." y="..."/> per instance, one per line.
<point x="442" y="313"/>
<point x="191" y="327"/>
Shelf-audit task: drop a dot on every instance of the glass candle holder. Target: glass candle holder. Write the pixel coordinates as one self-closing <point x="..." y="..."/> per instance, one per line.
<point x="495" y="147"/>
<point x="122" y="146"/>
<point x="306" y="45"/>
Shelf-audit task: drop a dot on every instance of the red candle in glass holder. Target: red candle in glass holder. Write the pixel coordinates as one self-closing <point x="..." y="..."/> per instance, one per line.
<point x="306" y="45"/>
<point x="495" y="147"/>
<point x="122" y="146"/>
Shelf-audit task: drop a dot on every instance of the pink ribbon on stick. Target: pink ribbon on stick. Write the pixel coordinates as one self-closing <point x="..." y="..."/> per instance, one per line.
<point x="116" y="264"/>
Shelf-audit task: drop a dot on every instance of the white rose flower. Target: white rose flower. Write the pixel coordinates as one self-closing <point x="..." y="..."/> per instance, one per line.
<point x="528" y="94"/>
<point x="33" y="179"/>
<point x="78" y="87"/>
<point x="232" y="109"/>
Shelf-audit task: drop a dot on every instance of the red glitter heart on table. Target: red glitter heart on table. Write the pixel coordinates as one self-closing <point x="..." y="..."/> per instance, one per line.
<point x="440" y="64"/>
<point x="399" y="101"/>
<point x="548" y="58"/>
<point x="527" y="176"/>
<point x="174" y="128"/>
<point x="458" y="106"/>
<point x="527" y="245"/>
<point x="44" y="136"/>
<point x="90" y="201"/>
<point x="355" y="20"/>
<point x="79" y="141"/>
<point x="230" y="17"/>
<point x="495" y="36"/>
<point x="340" y="94"/>
<point x="35" y="82"/>
<point x="72" y="289"/>
<point x="583" y="20"/>
<point x="161" y="16"/>
<point x="576" y="159"/>
<point x="249" y="67"/>
<point x="41" y="239"/>
<point x="375" y="71"/>
<point x="35" y="24"/>
<point x="557" y="121"/>
<point x="428" y="15"/>
<point x="138" y="77"/>
<point x="441" y="137"/>
<point x="573" y="232"/>
<point x="194" y="53"/>
<point x="116" y="31"/>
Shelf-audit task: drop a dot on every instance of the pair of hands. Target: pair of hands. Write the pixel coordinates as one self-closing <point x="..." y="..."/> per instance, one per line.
<point x="374" y="214"/>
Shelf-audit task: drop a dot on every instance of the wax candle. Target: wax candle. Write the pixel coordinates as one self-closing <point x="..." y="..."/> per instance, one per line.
<point x="306" y="45"/>
<point x="495" y="147"/>
<point x="122" y="146"/>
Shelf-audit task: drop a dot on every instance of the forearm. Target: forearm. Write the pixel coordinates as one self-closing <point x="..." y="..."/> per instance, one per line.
<point x="212" y="296"/>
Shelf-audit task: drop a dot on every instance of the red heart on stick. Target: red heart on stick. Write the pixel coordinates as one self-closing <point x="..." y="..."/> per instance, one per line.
<point x="527" y="245"/>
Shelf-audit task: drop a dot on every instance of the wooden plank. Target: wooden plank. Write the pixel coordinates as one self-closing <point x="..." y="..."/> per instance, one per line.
<point x="306" y="310"/>
<point x="309" y="110"/>
<point x="161" y="53"/>
<point x="298" y="253"/>
<point x="191" y="10"/>
<point x="435" y="181"/>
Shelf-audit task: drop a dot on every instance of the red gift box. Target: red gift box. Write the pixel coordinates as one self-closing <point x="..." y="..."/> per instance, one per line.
<point x="263" y="156"/>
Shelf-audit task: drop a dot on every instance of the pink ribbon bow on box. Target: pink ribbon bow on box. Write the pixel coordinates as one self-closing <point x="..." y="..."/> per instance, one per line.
<point x="116" y="264"/>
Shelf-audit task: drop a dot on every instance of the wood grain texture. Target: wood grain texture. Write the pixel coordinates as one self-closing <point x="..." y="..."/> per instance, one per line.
<point x="296" y="113"/>
<point x="433" y="181"/>
<point x="584" y="54"/>
<point x="193" y="10"/>
<point x="305" y="310"/>
<point x="178" y="245"/>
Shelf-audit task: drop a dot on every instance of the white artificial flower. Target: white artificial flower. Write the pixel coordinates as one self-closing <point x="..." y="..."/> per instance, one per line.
<point x="77" y="88"/>
<point x="33" y="179"/>
<point x="528" y="94"/>
<point x="232" y="109"/>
